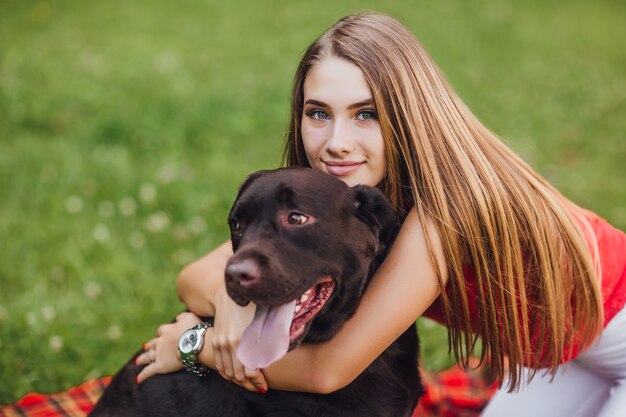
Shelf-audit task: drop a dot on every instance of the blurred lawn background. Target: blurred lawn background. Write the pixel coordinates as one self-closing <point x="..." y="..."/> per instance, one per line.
<point x="126" y="127"/>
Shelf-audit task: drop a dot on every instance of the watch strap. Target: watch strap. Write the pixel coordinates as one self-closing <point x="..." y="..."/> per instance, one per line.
<point x="190" y="360"/>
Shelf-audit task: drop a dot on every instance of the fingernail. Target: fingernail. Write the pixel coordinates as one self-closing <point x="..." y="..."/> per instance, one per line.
<point x="144" y="346"/>
<point x="136" y="359"/>
<point x="262" y="390"/>
<point x="137" y="379"/>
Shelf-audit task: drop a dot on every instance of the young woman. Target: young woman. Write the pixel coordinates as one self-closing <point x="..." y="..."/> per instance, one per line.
<point x="487" y="246"/>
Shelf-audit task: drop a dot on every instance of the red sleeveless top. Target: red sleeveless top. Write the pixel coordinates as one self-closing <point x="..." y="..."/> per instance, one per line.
<point x="611" y="243"/>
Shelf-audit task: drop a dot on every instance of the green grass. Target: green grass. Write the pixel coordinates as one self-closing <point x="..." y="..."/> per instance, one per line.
<point x="126" y="127"/>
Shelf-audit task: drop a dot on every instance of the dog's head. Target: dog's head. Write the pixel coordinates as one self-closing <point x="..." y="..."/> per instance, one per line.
<point x="304" y="246"/>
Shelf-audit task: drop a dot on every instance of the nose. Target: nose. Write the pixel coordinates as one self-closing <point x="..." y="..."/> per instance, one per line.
<point x="340" y="142"/>
<point x="245" y="273"/>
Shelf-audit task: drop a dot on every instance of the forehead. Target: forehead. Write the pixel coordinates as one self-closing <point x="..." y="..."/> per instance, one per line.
<point x="336" y="80"/>
<point x="296" y="188"/>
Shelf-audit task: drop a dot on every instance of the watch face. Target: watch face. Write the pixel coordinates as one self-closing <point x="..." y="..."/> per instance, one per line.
<point x="188" y="341"/>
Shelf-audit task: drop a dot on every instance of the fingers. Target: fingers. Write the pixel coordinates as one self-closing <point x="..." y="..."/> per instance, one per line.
<point x="257" y="379"/>
<point x="238" y="369"/>
<point x="227" y="361"/>
<point x="146" y="357"/>
<point x="253" y="380"/>
<point x="184" y="315"/>
<point x="219" y="363"/>
<point x="246" y="383"/>
<point x="220" y="352"/>
<point x="160" y="329"/>
<point x="231" y="369"/>
<point x="146" y="373"/>
<point x="151" y="344"/>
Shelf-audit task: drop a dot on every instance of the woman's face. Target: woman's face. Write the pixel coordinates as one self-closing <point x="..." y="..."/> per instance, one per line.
<point x="340" y="129"/>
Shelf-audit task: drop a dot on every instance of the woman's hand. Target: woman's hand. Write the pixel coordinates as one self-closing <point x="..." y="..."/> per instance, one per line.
<point x="161" y="353"/>
<point x="230" y="322"/>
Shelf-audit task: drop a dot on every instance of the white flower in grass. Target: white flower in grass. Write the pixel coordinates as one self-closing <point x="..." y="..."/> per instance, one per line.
<point x="31" y="318"/>
<point x="137" y="239"/>
<point x="167" y="62"/>
<point x="167" y="173"/>
<point x="114" y="332"/>
<point x="106" y="209"/>
<point x="92" y="290"/>
<point x="74" y="204"/>
<point x="56" y="343"/>
<point x="197" y="225"/>
<point x="48" y="313"/>
<point x="157" y="222"/>
<point x="127" y="206"/>
<point x="147" y="192"/>
<point x="101" y="233"/>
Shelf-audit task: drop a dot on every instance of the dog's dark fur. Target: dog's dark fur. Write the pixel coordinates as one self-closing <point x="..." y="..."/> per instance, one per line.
<point x="344" y="238"/>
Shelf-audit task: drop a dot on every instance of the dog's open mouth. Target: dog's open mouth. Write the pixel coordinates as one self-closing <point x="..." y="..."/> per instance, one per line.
<point x="309" y="304"/>
<point x="276" y="329"/>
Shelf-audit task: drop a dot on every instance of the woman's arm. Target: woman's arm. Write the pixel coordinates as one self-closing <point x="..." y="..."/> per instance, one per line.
<point x="199" y="282"/>
<point x="401" y="290"/>
<point x="201" y="287"/>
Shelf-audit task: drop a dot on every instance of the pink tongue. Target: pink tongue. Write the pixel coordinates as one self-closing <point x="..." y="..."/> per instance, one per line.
<point x="266" y="339"/>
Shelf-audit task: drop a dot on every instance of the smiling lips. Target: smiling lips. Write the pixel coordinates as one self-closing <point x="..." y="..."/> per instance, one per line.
<point x="340" y="169"/>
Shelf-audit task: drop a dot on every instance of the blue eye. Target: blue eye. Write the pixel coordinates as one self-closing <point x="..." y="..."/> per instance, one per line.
<point x="367" y="115"/>
<point x="317" y="114"/>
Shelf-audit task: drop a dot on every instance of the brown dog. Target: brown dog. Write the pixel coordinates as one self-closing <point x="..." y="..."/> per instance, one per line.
<point x="305" y="245"/>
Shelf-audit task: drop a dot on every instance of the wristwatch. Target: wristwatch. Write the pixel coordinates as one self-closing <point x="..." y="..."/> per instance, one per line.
<point x="190" y="345"/>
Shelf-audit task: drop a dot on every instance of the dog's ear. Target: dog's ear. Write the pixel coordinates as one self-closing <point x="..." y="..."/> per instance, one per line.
<point x="249" y="180"/>
<point x="242" y="188"/>
<point x="373" y="208"/>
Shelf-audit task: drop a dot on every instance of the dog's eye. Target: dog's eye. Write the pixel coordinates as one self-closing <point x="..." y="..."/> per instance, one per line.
<point x="234" y="225"/>
<point x="297" y="218"/>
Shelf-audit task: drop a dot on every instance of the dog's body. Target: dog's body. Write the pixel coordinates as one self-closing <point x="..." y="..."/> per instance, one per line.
<point x="305" y="242"/>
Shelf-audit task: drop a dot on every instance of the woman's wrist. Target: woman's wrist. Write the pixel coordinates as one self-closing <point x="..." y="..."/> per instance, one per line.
<point x="205" y="356"/>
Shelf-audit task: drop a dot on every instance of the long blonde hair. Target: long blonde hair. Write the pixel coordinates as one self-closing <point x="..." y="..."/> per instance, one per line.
<point x="536" y="281"/>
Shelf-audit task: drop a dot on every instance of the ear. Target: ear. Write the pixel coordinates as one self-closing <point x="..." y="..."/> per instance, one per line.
<point x="373" y="208"/>
<point x="249" y="180"/>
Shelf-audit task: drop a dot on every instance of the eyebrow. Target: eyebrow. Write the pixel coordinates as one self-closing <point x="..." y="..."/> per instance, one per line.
<point x="367" y="102"/>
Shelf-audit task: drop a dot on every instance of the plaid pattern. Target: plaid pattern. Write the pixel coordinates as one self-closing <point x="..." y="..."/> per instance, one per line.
<point x="454" y="392"/>
<point x="75" y="402"/>
<point x="450" y="393"/>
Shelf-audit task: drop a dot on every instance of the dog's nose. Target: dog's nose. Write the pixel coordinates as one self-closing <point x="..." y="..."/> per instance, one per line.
<point x="246" y="272"/>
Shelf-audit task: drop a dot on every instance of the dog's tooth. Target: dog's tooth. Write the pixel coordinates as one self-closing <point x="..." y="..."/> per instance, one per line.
<point x="304" y="298"/>
<point x="298" y="308"/>
<point x="308" y="292"/>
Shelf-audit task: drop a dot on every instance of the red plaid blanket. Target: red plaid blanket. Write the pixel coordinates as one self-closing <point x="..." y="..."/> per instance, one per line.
<point x="450" y="393"/>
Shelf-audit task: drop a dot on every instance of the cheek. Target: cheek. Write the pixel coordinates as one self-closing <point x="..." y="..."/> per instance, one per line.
<point x="377" y="150"/>
<point x="313" y="141"/>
